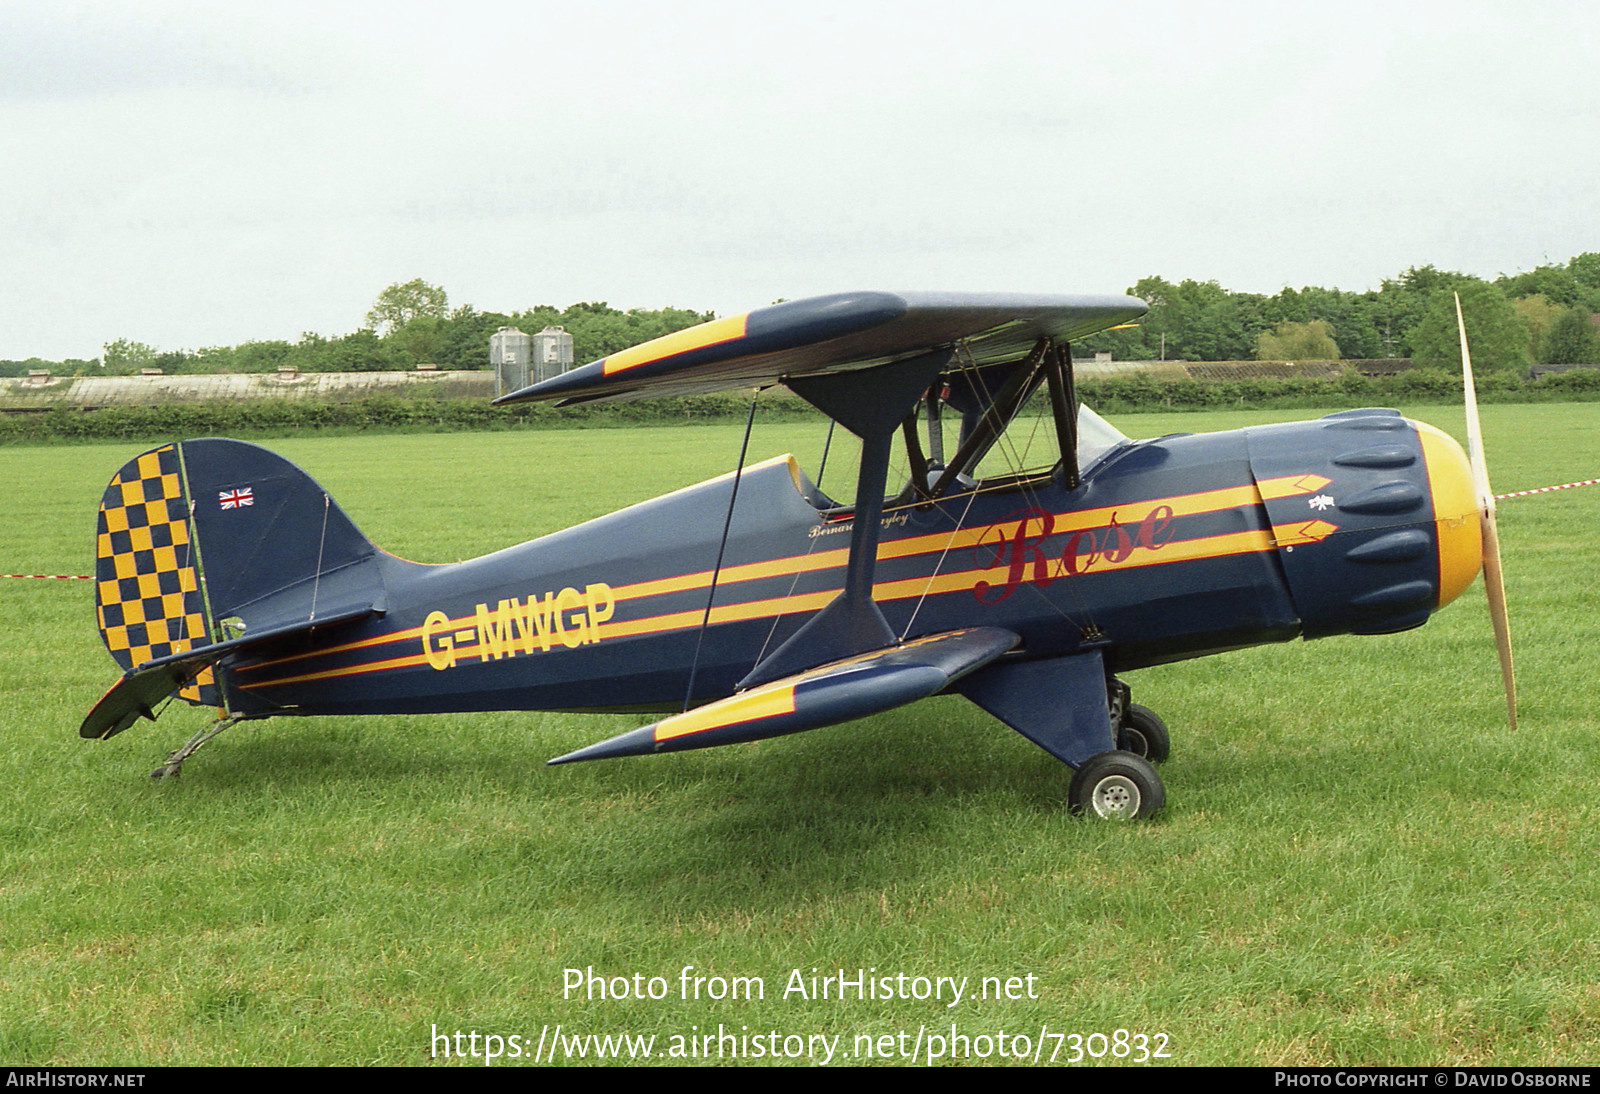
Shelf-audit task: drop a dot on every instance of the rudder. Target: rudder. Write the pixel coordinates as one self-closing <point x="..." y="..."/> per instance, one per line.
<point x="148" y="601"/>
<point x="192" y="536"/>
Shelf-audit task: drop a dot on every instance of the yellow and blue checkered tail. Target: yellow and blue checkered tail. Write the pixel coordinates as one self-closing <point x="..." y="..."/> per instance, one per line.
<point x="148" y="597"/>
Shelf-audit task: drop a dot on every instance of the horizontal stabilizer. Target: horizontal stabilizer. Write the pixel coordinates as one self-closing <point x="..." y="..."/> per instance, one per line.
<point x="143" y="686"/>
<point x="837" y="692"/>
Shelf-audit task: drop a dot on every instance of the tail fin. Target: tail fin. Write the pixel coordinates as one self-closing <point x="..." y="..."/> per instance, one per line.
<point x="262" y="525"/>
<point x="199" y="539"/>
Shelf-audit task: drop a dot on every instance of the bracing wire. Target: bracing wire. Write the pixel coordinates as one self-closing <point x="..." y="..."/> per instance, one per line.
<point x="1032" y="496"/>
<point x="316" y="582"/>
<point x="716" y="571"/>
<point x="822" y="469"/>
<point x="961" y="522"/>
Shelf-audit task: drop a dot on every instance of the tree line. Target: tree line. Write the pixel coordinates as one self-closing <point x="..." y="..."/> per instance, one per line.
<point x="1544" y="316"/>
<point x="409" y="324"/>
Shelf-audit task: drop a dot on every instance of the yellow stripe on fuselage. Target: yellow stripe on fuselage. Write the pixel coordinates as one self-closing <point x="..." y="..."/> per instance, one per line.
<point x="1207" y="547"/>
<point x="1305" y="531"/>
<point x="1288" y="486"/>
<point x="1182" y="505"/>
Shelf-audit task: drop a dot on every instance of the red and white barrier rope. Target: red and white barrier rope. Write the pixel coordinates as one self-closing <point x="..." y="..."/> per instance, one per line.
<point x="55" y="577"/>
<point x="1547" y="489"/>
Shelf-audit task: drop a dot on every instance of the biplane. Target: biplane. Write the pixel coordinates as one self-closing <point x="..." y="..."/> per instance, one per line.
<point x="755" y="605"/>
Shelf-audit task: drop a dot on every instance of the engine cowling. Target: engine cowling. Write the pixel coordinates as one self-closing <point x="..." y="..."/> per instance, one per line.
<point x="1391" y="533"/>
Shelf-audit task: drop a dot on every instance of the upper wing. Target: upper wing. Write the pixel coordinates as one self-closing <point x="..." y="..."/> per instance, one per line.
<point x="828" y="333"/>
<point x="853" y="687"/>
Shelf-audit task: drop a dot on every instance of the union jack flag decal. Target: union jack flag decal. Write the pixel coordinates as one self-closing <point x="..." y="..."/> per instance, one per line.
<point x="234" y="499"/>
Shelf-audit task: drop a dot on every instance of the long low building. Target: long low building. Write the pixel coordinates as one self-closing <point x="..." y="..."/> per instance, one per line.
<point x="1236" y="370"/>
<point x="44" y="392"/>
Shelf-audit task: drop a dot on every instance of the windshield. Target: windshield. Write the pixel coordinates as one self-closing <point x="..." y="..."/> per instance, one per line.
<point x="1096" y="436"/>
<point x="1028" y="446"/>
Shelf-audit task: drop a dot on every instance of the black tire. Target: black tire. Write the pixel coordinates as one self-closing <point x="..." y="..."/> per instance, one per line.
<point x="1143" y="733"/>
<point x="1117" y="786"/>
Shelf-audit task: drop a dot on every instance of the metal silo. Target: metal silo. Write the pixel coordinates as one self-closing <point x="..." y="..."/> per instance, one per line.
<point x="509" y="355"/>
<point x="552" y="353"/>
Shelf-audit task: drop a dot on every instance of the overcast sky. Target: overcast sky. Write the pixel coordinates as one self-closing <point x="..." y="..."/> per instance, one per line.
<point x="190" y="174"/>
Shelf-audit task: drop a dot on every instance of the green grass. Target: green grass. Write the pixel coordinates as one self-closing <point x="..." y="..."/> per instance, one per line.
<point x="1359" y="863"/>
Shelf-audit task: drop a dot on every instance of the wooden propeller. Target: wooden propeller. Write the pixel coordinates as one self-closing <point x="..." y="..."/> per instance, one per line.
<point x="1493" y="581"/>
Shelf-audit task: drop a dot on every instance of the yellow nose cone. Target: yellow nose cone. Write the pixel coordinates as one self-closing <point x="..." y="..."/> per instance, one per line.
<point x="1455" y="511"/>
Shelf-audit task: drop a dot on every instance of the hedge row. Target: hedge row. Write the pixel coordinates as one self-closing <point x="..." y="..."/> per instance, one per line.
<point x="378" y="413"/>
<point x="1143" y="392"/>
<point x="1116" y="395"/>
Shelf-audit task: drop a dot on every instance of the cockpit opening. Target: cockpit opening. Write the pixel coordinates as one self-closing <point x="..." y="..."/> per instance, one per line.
<point x="1024" y="453"/>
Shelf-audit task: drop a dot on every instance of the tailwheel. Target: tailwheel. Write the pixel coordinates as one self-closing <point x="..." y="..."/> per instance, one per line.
<point x="174" y="764"/>
<point x="1116" y="786"/>
<point x="1143" y="733"/>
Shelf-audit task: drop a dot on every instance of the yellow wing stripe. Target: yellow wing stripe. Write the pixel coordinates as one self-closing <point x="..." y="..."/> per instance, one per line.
<point x="768" y="702"/>
<point x="706" y="334"/>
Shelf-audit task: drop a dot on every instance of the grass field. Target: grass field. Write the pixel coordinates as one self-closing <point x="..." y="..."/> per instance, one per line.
<point x="1359" y="863"/>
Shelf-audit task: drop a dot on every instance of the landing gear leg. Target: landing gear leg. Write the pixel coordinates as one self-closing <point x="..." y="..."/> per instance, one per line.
<point x="1143" y="733"/>
<point x="172" y="768"/>
<point x="1139" y="729"/>
<point x="1074" y="710"/>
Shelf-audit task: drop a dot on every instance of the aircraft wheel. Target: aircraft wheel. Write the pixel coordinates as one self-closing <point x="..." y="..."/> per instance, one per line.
<point x="1143" y="733"/>
<point x="1116" y="786"/>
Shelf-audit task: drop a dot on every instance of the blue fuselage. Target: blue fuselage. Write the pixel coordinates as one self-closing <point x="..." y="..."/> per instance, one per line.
<point x="1169" y="549"/>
